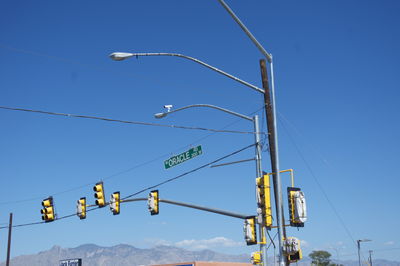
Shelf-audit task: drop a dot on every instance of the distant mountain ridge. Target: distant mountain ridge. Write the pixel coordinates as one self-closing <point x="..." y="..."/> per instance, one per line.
<point x="121" y="255"/>
<point x="124" y="255"/>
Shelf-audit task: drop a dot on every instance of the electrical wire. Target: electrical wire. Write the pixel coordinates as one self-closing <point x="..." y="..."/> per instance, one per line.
<point x="131" y="168"/>
<point x="123" y="121"/>
<point x="143" y="190"/>
<point x="272" y="240"/>
<point x="319" y="184"/>
<point x="189" y="172"/>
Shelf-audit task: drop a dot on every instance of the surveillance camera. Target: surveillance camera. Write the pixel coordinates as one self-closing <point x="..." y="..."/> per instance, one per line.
<point x="168" y="107"/>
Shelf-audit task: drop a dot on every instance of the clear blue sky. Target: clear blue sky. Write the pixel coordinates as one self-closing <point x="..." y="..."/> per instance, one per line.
<point x="337" y="87"/>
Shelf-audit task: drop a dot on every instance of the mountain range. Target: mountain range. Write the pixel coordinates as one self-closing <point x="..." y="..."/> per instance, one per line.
<point x="124" y="255"/>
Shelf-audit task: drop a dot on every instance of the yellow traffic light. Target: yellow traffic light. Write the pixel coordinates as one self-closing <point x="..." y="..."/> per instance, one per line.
<point x="47" y="212"/>
<point x="297" y="207"/>
<point x="292" y="249"/>
<point x="295" y="257"/>
<point x="250" y="230"/>
<point x="153" y="202"/>
<point x="81" y="208"/>
<point x="99" y="195"/>
<point x="115" y="203"/>
<point x="256" y="258"/>
<point x="264" y="199"/>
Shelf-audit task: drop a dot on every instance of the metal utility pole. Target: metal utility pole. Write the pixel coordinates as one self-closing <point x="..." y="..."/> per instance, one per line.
<point x="9" y="241"/>
<point x="359" y="248"/>
<point x="258" y="151"/>
<point x="272" y="132"/>
<point x="370" y="257"/>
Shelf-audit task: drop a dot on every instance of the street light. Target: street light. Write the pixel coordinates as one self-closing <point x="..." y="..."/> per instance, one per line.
<point x="119" y="56"/>
<point x="257" y="134"/>
<point x="272" y="128"/>
<point x="358" y="247"/>
<point x="274" y="153"/>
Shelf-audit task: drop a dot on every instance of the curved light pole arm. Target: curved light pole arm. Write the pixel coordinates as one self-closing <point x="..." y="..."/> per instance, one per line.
<point x="211" y="106"/>
<point x="121" y="56"/>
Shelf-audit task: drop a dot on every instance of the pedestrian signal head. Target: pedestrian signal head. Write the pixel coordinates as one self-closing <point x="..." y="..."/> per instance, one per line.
<point x="99" y="195"/>
<point x="81" y="208"/>
<point x="153" y="202"/>
<point x="115" y="201"/>
<point x="250" y="230"/>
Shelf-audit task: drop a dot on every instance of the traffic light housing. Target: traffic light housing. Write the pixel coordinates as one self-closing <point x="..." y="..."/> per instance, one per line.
<point x="264" y="199"/>
<point x="99" y="195"/>
<point x="250" y="230"/>
<point x="153" y="202"/>
<point x="47" y="212"/>
<point x="295" y="257"/>
<point x="81" y="208"/>
<point x="297" y="207"/>
<point x="292" y="249"/>
<point x="256" y="258"/>
<point x="115" y="202"/>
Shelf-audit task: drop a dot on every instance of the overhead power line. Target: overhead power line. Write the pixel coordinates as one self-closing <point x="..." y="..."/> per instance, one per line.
<point x="123" y="121"/>
<point x="133" y="167"/>
<point x="144" y="189"/>
<point x="313" y="175"/>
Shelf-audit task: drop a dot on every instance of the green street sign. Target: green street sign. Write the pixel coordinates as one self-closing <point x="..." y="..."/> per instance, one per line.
<point x="183" y="157"/>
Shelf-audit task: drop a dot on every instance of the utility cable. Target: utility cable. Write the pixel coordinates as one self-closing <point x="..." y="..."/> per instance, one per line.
<point x="145" y="189"/>
<point x="189" y="172"/>
<point x="319" y="185"/>
<point x="272" y="240"/>
<point x="131" y="168"/>
<point x="122" y="121"/>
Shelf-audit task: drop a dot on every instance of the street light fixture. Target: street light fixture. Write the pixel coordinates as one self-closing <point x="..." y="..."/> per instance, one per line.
<point x="119" y="56"/>
<point x="359" y="247"/>
<point x="257" y="134"/>
<point x="272" y="128"/>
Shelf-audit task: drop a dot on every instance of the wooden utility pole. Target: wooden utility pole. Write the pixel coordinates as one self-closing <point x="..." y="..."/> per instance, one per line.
<point x="274" y="157"/>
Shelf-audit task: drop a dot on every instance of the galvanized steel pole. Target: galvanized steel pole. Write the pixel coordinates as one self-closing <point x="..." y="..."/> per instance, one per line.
<point x="275" y="154"/>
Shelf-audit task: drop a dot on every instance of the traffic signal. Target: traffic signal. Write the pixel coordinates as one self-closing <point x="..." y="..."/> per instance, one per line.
<point x="115" y="203"/>
<point x="99" y="195"/>
<point x="153" y="202"/>
<point x="250" y="230"/>
<point x="81" y="208"/>
<point x="297" y="207"/>
<point x="292" y="249"/>
<point x="264" y="199"/>
<point x="295" y="257"/>
<point x="47" y="212"/>
<point x="256" y="258"/>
